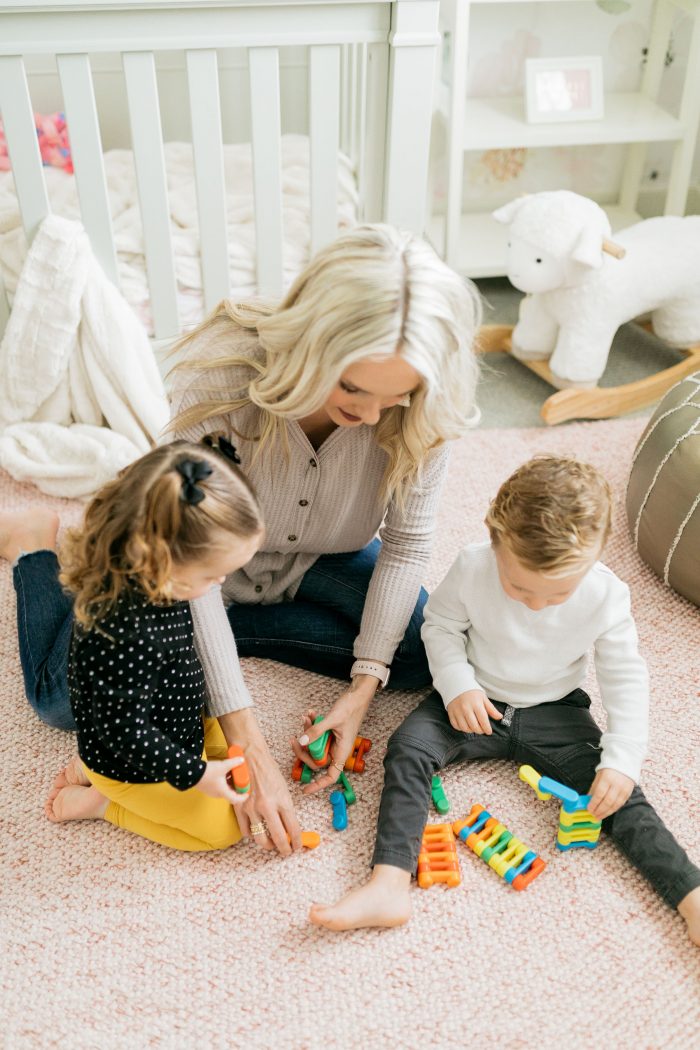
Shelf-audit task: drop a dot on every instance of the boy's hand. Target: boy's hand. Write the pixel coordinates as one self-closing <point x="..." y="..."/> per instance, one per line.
<point x="470" y="712"/>
<point x="609" y="791"/>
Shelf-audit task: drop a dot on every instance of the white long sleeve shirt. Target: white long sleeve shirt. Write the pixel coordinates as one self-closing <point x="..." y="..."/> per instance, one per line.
<point x="477" y="637"/>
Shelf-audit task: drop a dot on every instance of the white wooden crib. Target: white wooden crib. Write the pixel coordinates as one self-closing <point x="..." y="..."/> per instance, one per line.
<point x="370" y="84"/>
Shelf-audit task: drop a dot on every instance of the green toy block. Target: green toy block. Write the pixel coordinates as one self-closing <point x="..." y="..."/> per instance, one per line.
<point x="317" y="748"/>
<point x="439" y="797"/>
<point x="307" y="775"/>
<point x="347" y="789"/>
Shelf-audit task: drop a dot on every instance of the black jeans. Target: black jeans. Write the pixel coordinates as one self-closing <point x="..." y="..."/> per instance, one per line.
<point x="560" y="740"/>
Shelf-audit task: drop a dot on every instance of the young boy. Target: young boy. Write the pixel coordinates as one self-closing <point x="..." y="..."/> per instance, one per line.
<point x="506" y="634"/>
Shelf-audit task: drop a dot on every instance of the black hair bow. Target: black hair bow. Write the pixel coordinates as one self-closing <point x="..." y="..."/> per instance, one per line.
<point x="191" y="471"/>
<point x="219" y="443"/>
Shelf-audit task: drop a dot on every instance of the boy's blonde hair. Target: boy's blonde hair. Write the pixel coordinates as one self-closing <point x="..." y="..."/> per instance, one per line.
<point x="372" y="293"/>
<point x="554" y="515"/>
<point x="139" y="525"/>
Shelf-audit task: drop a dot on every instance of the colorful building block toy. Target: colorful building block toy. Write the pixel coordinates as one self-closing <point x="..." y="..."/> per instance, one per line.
<point x="355" y="762"/>
<point x="320" y="750"/>
<point x="577" y="827"/>
<point x="438" y="860"/>
<point x="340" y="810"/>
<point x="240" y="775"/>
<point x="302" y="772"/>
<point x="309" y="839"/>
<point x="499" y="848"/>
<point x="346" y="788"/>
<point x="439" y="797"/>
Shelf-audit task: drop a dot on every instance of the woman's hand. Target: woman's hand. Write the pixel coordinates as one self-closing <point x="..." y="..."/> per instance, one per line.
<point x="267" y="815"/>
<point x="344" y="718"/>
<point x="215" y="782"/>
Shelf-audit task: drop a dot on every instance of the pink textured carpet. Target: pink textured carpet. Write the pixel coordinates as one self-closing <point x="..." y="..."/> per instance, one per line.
<point x="109" y="941"/>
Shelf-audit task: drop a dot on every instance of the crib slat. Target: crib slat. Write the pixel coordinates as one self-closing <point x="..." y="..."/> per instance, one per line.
<point x="205" y="111"/>
<point x="324" y="102"/>
<point x="149" y="161"/>
<point x="86" y="151"/>
<point x="4" y="307"/>
<point x="22" y="145"/>
<point x="361" y="120"/>
<point x="263" y="64"/>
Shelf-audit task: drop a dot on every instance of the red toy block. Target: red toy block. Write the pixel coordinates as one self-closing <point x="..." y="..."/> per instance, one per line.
<point x="240" y="775"/>
<point x="355" y="761"/>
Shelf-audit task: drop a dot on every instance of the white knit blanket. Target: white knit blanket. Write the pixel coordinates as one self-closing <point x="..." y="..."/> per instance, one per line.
<point x="80" y="392"/>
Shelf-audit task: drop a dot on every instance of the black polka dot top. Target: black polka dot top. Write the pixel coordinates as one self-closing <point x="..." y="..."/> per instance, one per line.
<point x="137" y="691"/>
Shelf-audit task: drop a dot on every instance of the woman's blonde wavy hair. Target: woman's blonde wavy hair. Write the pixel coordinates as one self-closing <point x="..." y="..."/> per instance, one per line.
<point x="139" y="525"/>
<point x="374" y="292"/>
<point x="553" y="513"/>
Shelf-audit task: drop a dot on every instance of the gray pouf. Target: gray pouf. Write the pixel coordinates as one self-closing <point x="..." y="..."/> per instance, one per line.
<point x="663" y="494"/>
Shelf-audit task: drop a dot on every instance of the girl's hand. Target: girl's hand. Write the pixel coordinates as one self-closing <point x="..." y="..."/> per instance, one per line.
<point x="215" y="781"/>
<point x="344" y="718"/>
<point x="609" y="792"/>
<point x="470" y="712"/>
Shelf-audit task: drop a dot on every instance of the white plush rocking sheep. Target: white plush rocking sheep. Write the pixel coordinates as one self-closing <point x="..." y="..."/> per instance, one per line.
<point x="579" y="294"/>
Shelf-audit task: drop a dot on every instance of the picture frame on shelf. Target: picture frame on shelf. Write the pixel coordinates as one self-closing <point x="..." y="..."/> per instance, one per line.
<point x="564" y="89"/>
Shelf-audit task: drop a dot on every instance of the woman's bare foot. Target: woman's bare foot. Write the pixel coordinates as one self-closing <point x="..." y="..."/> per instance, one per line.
<point x="75" y="802"/>
<point x="689" y="908"/>
<point x="383" y="901"/>
<point x="73" y="773"/>
<point x="27" y="530"/>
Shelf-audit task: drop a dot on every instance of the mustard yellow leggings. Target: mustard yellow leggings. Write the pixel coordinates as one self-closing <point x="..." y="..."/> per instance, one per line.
<point x="187" y="820"/>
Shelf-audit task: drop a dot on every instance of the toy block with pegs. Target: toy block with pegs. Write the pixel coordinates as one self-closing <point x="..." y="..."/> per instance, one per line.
<point x="302" y="772"/>
<point x="438" y="860"/>
<point x="320" y="750"/>
<point x="438" y="796"/>
<point x="499" y="848"/>
<point x="239" y="775"/>
<point x="577" y="827"/>
<point x="340" y="810"/>
<point x="355" y="762"/>
<point x="346" y="788"/>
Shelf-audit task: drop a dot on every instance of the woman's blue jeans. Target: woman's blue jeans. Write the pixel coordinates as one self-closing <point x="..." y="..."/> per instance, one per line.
<point x="316" y="631"/>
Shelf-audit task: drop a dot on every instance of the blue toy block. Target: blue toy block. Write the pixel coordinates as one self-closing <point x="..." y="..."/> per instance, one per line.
<point x="340" y="810"/>
<point x="476" y="826"/>
<point x="584" y="843"/>
<point x="524" y="866"/>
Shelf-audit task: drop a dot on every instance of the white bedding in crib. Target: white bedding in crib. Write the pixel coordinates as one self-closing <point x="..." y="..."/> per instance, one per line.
<point x="121" y="182"/>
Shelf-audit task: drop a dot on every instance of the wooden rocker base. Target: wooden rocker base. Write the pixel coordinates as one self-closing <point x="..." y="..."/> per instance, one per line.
<point x="598" y="402"/>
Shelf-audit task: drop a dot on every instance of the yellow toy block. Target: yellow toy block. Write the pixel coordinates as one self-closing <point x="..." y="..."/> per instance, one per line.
<point x="581" y="816"/>
<point x="496" y="832"/>
<point x="532" y="777"/>
<point x="511" y="857"/>
<point x="565" y="838"/>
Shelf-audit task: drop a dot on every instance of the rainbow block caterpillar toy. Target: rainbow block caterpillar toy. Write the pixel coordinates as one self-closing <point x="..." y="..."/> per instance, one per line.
<point x="499" y="848"/>
<point x="438" y="860"/>
<point x="577" y="827"/>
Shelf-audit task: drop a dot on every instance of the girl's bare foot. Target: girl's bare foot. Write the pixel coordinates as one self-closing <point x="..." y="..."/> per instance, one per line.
<point x="689" y="908"/>
<point x="27" y="530"/>
<point x="383" y="901"/>
<point x="75" y="802"/>
<point x="73" y="773"/>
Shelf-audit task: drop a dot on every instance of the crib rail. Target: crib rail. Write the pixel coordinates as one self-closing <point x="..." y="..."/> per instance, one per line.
<point x="370" y="75"/>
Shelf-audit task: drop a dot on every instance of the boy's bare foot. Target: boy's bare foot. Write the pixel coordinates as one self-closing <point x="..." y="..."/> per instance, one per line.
<point x="27" y="530"/>
<point x="689" y="908"/>
<point x="73" y="773"/>
<point x="75" y="802"/>
<point x="383" y="901"/>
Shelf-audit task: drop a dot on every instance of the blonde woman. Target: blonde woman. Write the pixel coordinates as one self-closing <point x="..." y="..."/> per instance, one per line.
<point x="340" y="402"/>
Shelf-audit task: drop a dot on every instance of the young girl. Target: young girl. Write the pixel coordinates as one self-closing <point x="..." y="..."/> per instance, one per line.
<point x="173" y="525"/>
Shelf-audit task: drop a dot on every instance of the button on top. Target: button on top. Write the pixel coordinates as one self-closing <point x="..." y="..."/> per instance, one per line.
<point x="291" y="537"/>
<point x="303" y="503"/>
<point x="258" y="588"/>
<point x="313" y="462"/>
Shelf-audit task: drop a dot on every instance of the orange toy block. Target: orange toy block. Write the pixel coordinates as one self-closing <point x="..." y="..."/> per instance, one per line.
<point x="355" y="761"/>
<point x="240" y="775"/>
<point x="438" y="860"/>
<point x="520" y="882"/>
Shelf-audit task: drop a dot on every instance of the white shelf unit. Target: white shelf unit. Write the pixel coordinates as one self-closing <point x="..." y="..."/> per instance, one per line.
<point x="474" y="243"/>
